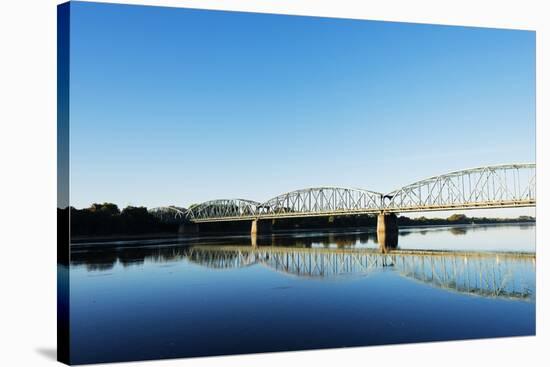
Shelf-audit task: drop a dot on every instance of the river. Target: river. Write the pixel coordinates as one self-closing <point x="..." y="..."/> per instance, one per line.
<point x="217" y="295"/>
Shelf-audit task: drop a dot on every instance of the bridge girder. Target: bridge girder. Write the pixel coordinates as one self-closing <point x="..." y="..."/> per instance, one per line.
<point x="498" y="186"/>
<point x="508" y="185"/>
<point x="321" y="201"/>
<point x="223" y="209"/>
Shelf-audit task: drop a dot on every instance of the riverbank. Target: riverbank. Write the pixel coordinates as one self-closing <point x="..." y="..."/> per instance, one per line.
<point x="277" y="238"/>
<point x="172" y="235"/>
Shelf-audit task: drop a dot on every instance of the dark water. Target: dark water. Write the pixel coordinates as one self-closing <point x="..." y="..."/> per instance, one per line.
<point x="300" y="291"/>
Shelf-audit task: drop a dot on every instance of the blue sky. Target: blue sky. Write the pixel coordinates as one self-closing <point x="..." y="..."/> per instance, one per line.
<point x="178" y="106"/>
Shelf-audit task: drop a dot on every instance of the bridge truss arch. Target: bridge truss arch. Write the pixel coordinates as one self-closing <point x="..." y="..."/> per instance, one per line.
<point x="223" y="209"/>
<point x="507" y="185"/>
<point x="168" y="213"/>
<point x="319" y="201"/>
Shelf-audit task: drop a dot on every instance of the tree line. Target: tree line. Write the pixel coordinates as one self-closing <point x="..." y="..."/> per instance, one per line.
<point x="371" y="220"/>
<point x="108" y="219"/>
<point x="460" y="219"/>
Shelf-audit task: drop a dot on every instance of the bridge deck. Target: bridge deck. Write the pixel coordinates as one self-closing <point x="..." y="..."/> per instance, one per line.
<point x="412" y="209"/>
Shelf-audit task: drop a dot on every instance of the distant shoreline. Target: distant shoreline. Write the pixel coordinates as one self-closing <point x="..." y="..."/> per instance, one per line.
<point x="530" y="223"/>
<point x="175" y="236"/>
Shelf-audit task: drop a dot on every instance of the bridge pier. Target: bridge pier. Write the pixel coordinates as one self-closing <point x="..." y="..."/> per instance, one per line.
<point x="387" y="231"/>
<point x="261" y="226"/>
<point x="387" y="223"/>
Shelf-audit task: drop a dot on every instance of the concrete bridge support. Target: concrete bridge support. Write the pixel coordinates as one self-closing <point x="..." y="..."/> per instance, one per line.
<point x="387" y="231"/>
<point x="387" y="223"/>
<point x="261" y="226"/>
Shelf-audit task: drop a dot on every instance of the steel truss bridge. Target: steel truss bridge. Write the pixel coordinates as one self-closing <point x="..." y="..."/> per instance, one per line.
<point x="503" y="275"/>
<point x="499" y="186"/>
<point x="168" y="213"/>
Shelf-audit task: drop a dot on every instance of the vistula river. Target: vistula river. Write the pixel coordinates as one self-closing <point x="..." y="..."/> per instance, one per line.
<point x="149" y="299"/>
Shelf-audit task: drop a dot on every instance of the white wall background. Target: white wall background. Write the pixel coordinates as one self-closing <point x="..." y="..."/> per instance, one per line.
<point x="28" y="181"/>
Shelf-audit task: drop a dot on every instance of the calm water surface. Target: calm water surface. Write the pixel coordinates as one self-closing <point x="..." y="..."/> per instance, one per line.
<point x="294" y="291"/>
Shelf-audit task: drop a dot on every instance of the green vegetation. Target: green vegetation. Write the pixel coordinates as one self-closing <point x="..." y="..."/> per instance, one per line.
<point x="107" y="219"/>
<point x="342" y="221"/>
<point x="370" y="221"/>
<point x="460" y="219"/>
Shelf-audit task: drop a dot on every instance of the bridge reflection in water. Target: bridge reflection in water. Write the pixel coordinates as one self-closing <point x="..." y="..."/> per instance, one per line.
<point x="502" y="275"/>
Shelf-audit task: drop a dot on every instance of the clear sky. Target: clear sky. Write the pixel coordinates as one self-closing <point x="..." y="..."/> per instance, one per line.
<point x="176" y="106"/>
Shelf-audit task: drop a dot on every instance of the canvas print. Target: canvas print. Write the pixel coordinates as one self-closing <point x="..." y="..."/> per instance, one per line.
<point x="233" y="182"/>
